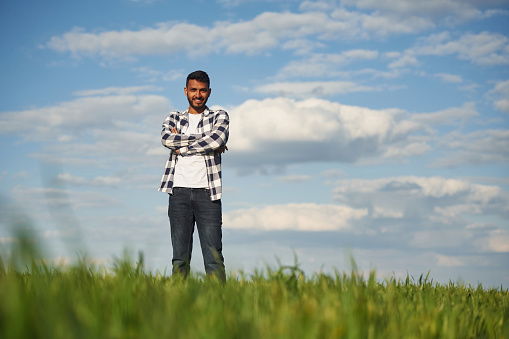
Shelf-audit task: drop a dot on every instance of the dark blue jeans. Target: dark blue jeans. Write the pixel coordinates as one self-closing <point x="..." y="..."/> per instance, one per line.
<point x="186" y="207"/>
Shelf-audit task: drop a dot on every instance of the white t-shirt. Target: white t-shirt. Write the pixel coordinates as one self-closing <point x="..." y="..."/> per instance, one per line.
<point x="191" y="171"/>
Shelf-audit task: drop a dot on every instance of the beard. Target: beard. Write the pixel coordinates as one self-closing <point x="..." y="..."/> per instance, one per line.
<point x="195" y="106"/>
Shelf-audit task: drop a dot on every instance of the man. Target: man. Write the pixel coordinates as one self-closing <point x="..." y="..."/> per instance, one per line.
<point x="192" y="177"/>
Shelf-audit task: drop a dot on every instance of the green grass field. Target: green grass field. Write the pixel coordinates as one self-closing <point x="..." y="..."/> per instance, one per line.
<point x="84" y="301"/>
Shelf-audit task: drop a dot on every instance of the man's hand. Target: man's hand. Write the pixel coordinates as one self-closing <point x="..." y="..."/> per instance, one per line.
<point x="222" y="149"/>
<point x="174" y="130"/>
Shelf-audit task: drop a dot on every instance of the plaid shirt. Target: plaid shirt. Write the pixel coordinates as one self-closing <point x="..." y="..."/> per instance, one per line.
<point x="212" y="133"/>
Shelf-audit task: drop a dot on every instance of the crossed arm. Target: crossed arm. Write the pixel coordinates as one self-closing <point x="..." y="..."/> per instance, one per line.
<point x="221" y="149"/>
<point x="211" y="141"/>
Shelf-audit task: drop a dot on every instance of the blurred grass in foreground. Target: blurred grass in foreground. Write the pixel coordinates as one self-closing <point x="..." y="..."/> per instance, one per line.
<point x="86" y="301"/>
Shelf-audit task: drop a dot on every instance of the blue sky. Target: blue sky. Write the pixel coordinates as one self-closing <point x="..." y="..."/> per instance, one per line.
<point x="377" y="129"/>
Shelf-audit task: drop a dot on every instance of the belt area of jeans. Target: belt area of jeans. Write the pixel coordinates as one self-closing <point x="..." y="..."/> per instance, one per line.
<point x="192" y="188"/>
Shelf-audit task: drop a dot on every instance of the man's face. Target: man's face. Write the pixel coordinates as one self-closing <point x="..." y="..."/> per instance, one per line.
<point x="197" y="94"/>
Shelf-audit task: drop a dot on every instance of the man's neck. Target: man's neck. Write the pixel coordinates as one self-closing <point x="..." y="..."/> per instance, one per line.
<point x="192" y="110"/>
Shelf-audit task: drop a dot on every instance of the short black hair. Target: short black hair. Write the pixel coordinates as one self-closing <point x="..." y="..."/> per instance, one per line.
<point x="200" y="76"/>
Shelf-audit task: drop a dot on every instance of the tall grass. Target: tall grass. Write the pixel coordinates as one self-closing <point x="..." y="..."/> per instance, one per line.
<point x="86" y="301"/>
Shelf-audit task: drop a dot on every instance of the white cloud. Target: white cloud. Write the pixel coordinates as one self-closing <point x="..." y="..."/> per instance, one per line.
<point x="500" y="96"/>
<point x="429" y="212"/>
<point x="472" y="88"/>
<point x="404" y="6"/>
<point x="75" y="118"/>
<point x="407" y="149"/>
<point x="317" y="6"/>
<point x="321" y="130"/>
<point x="384" y="25"/>
<point x="454" y="213"/>
<point x="333" y="173"/>
<point x="407" y="59"/>
<point x="479" y="147"/>
<point x="233" y="3"/>
<point x="325" y="65"/>
<point x="313" y="120"/>
<point x="294" y="178"/>
<point x="447" y="10"/>
<point x="165" y="38"/>
<point x="380" y="212"/>
<point x="116" y="91"/>
<point x="455" y="115"/>
<point x="302" y="46"/>
<point x="96" y="131"/>
<point x="100" y="181"/>
<point x="271" y="30"/>
<point x="376" y="24"/>
<point x="149" y="74"/>
<point x="301" y="217"/>
<point x="450" y="78"/>
<point x="127" y="178"/>
<point x="485" y="48"/>
<point x="425" y="201"/>
<point x="312" y="88"/>
<point x="435" y="187"/>
<point x="382" y="18"/>
<point x="449" y="261"/>
<point x="498" y="241"/>
<point x="60" y="198"/>
<point x="265" y="31"/>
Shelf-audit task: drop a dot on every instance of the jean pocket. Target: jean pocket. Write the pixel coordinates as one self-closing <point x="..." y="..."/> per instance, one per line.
<point x="175" y="191"/>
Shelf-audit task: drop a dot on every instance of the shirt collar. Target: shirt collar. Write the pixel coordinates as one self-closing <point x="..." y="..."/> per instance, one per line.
<point x="205" y="112"/>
